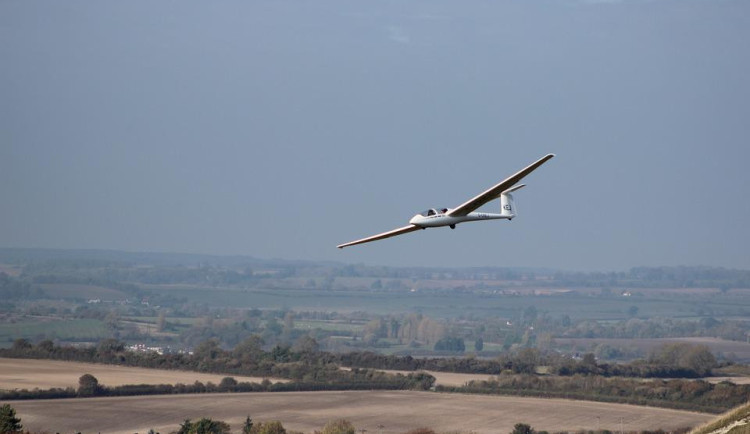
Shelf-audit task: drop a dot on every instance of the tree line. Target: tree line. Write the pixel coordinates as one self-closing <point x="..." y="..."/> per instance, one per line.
<point x="694" y="395"/>
<point x="305" y="362"/>
<point x="310" y="369"/>
<point x="671" y="361"/>
<point x="305" y="366"/>
<point x="89" y="386"/>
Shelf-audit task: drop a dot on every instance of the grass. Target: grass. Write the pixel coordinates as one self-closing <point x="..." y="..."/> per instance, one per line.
<point x="723" y="421"/>
<point x="332" y="326"/>
<point x="67" y="330"/>
<point x="177" y="320"/>
<point x="737" y="370"/>
<point x="85" y="292"/>
<point x="456" y="303"/>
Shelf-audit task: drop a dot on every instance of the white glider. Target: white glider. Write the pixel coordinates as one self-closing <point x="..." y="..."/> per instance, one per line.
<point x="434" y="218"/>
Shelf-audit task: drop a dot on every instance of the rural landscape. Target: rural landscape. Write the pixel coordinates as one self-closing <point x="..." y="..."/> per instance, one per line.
<point x="374" y="217"/>
<point x="385" y="349"/>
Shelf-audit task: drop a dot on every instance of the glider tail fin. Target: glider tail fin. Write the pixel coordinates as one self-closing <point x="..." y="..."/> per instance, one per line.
<point x="507" y="207"/>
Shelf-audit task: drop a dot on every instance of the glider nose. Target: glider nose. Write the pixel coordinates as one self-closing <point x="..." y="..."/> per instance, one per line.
<point x="415" y="220"/>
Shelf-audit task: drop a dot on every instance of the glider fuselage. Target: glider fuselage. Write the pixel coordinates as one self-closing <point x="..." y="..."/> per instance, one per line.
<point x="439" y="219"/>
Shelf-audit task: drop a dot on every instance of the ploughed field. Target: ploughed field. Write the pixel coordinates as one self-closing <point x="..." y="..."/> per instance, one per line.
<point x="46" y="374"/>
<point x="375" y="411"/>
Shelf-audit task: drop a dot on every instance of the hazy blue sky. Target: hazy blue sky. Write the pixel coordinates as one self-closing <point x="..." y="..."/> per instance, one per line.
<point x="283" y="128"/>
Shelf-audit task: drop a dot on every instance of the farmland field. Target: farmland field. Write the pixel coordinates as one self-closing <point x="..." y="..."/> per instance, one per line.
<point x="45" y="374"/>
<point x="734" y="349"/>
<point x="397" y="411"/>
<point x="63" y="329"/>
<point x="576" y="302"/>
<point x="374" y="411"/>
<point x="62" y="290"/>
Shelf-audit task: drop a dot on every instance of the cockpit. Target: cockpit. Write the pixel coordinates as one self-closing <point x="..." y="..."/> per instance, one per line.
<point x="433" y="211"/>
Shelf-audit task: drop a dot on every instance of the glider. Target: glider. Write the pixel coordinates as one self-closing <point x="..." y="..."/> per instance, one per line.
<point x="433" y="218"/>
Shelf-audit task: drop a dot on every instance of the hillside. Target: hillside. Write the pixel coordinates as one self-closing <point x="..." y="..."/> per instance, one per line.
<point x="375" y="411"/>
<point x="736" y="421"/>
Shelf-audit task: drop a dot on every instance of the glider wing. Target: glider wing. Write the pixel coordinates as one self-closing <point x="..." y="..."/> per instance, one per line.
<point x="474" y="203"/>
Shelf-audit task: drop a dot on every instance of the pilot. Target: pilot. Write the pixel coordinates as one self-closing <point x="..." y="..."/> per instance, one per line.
<point x="444" y="210"/>
<point x="431" y="212"/>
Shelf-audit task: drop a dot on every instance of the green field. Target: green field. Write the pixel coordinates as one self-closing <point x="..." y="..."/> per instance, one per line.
<point x="466" y="303"/>
<point x="82" y="292"/>
<point x="330" y="326"/>
<point x="66" y="330"/>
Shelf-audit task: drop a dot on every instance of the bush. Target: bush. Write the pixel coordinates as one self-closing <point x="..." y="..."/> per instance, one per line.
<point x="339" y="426"/>
<point x="9" y="423"/>
<point x="204" y="426"/>
<point x="522" y="428"/>
<point x="88" y="385"/>
<point x="273" y="427"/>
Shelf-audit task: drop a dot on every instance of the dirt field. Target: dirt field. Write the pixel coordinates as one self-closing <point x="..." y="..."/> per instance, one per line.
<point x="376" y="412"/>
<point x="735" y="380"/>
<point x="449" y="378"/>
<point x="397" y="412"/>
<point x="45" y="374"/>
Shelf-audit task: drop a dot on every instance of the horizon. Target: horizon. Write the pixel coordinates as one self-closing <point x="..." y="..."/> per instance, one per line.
<point x="73" y="251"/>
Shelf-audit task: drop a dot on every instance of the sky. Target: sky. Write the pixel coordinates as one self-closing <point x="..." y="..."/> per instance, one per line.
<point x="279" y="129"/>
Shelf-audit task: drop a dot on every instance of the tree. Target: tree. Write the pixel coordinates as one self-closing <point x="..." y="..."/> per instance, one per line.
<point x="450" y="344"/>
<point x="108" y="347"/>
<point x="208" y="350"/>
<point x="161" y="322"/>
<point x="526" y="361"/>
<point x="9" y="423"/>
<point x="204" y="426"/>
<point x="208" y="426"/>
<point x="227" y="383"/>
<point x="185" y="427"/>
<point x="530" y="314"/>
<point x="339" y="426"/>
<point x="46" y="345"/>
<point x="699" y="359"/>
<point x="273" y="327"/>
<point x="589" y="359"/>
<point x="273" y="427"/>
<point x="249" y="349"/>
<point x="280" y="354"/>
<point x="479" y="344"/>
<point x="88" y="385"/>
<point x="247" y="427"/>
<point x="21" y="345"/>
<point x="289" y="321"/>
<point x="112" y="320"/>
<point x="522" y="428"/>
<point x="633" y="311"/>
<point x="306" y="344"/>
